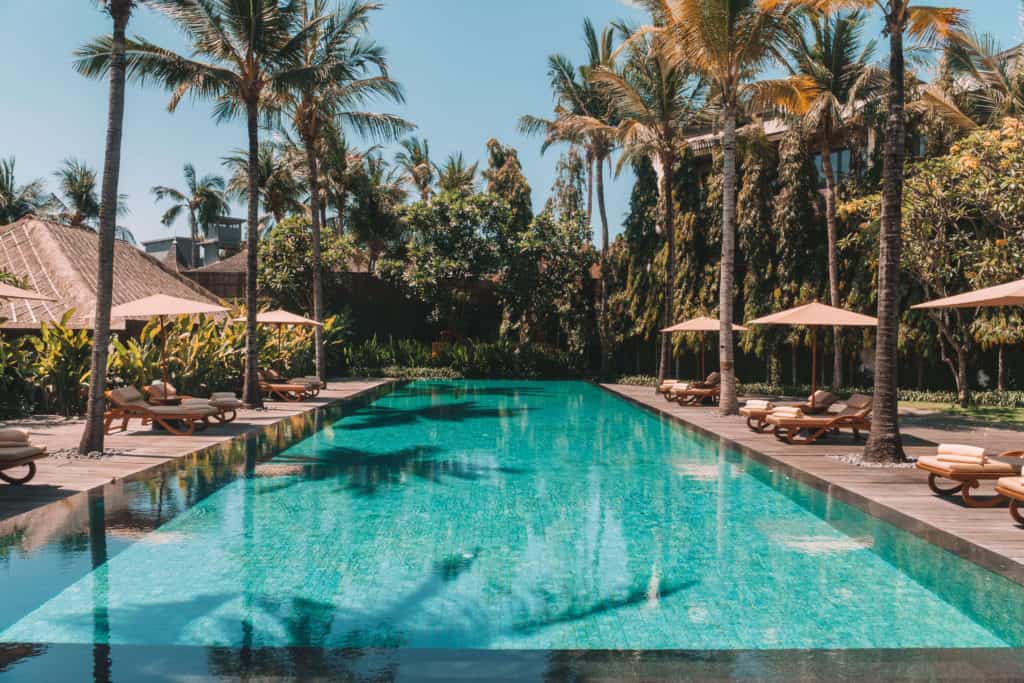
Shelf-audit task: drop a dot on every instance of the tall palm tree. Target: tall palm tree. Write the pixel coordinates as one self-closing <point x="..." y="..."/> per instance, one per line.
<point x="204" y="200"/>
<point x="455" y="176"/>
<point x="654" y="99"/>
<point x="341" y="163"/>
<point x="830" y="71"/>
<point x="350" y="71"/>
<point x="18" y="200"/>
<point x="728" y="42"/>
<point x="929" y="25"/>
<point x="78" y="202"/>
<point x="279" y="190"/>
<point x="242" y="54"/>
<point x="120" y="12"/>
<point x="576" y="94"/>
<point x="378" y="189"/>
<point x="414" y="160"/>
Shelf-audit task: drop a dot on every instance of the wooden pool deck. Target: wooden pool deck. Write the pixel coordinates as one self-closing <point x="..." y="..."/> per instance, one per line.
<point x="59" y="478"/>
<point x="900" y="496"/>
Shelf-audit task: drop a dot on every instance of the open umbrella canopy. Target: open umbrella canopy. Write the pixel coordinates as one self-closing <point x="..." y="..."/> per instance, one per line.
<point x="817" y="315"/>
<point x="163" y="305"/>
<point x="1009" y="294"/>
<point x="282" y="317"/>
<point x="701" y="324"/>
<point x="12" y="292"/>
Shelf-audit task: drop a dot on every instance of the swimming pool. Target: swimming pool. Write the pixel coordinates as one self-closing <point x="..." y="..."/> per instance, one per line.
<point x="492" y="515"/>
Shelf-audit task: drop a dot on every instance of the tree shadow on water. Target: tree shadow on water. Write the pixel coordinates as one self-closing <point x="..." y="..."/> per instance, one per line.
<point x="375" y="417"/>
<point x="365" y="472"/>
<point x="457" y="390"/>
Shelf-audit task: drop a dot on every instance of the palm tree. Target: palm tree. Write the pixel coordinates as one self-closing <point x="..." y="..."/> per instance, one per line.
<point x="929" y="25"/>
<point x="654" y="99"/>
<point x="278" y="188"/>
<point x="727" y="42"/>
<point x="120" y="12"/>
<point x="378" y="190"/>
<point x="829" y="74"/>
<point x="414" y="160"/>
<point x="575" y="97"/>
<point x="242" y="54"/>
<point x="18" y="200"/>
<point x="340" y="164"/>
<point x="204" y="200"/>
<point x="455" y="176"/>
<point x="78" y="202"/>
<point x="350" y="71"/>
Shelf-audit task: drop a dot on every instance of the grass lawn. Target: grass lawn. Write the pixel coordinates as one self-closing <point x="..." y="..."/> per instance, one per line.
<point x="993" y="414"/>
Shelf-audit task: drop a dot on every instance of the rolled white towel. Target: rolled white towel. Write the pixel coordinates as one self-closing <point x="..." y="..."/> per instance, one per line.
<point x="964" y="459"/>
<point x="759" y="404"/>
<point x="17" y="436"/>
<point x="788" y="411"/>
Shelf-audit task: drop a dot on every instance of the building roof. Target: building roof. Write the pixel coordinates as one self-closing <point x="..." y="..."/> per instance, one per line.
<point x="60" y="262"/>
<point x="232" y="264"/>
<point x="706" y="143"/>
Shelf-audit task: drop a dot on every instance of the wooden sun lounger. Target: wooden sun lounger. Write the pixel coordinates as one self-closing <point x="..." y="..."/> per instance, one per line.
<point x="20" y="456"/>
<point x="225" y="404"/>
<point x="285" y="392"/>
<point x="128" y="403"/>
<point x="1012" y="488"/>
<point x="855" y="417"/>
<point x="307" y="387"/>
<point x="967" y="476"/>
<point x="698" y="392"/>
<point x="757" y="418"/>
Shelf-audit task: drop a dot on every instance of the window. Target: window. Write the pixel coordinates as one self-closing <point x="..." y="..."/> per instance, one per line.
<point x="840" y="166"/>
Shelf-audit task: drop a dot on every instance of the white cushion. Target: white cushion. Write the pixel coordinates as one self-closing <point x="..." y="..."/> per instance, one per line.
<point x="18" y="436"/>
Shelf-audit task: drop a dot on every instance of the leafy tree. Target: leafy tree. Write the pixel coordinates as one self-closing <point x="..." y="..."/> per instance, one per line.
<point x="375" y="219"/>
<point x="120" y="12"/>
<point x="567" y="194"/>
<point x="286" y="263"/>
<point x="419" y="170"/>
<point x="18" y="200"/>
<point x="203" y="199"/>
<point x="505" y="178"/>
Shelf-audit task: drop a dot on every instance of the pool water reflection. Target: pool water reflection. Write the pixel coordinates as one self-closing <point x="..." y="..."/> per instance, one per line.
<point x="503" y="516"/>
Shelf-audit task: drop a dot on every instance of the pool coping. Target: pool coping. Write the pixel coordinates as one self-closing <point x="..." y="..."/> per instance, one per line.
<point x="964" y="548"/>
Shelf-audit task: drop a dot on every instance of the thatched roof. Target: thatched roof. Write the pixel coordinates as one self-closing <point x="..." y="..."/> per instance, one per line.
<point x="232" y="264"/>
<point x="59" y="261"/>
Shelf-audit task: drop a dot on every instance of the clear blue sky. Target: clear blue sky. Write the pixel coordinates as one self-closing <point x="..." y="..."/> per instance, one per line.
<point x="470" y="69"/>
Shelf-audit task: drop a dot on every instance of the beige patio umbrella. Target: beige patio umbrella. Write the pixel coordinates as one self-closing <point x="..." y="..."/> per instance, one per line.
<point x="815" y="315"/>
<point x="1009" y="294"/>
<point x="12" y="292"/>
<point x="703" y="325"/>
<point x="161" y="306"/>
<point x="282" y="318"/>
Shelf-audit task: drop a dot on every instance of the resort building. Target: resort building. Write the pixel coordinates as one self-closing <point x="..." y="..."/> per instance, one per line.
<point x="222" y="240"/>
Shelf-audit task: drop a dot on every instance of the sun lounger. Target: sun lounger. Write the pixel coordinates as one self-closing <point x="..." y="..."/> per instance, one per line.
<point x="225" y="403"/>
<point x="696" y="392"/>
<point x="313" y="384"/>
<point x="664" y="387"/>
<point x="756" y="412"/>
<point x="791" y="424"/>
<point x="1012" y="488"/>
<point x="17" y="451"/>
<point x="128" y="403"/>
<point x="966" y="466"/>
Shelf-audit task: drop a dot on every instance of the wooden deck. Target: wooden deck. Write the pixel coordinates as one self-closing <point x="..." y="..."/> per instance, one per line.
<point x="988" y="537"/>
<point x="59" y="478"/>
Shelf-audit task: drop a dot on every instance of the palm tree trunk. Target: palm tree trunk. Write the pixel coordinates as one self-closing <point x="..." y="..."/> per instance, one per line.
<point x="833" y="253"/>
<point x="342" y="200"/>
<point x="603" y="320"/>
<point x="251" y="394"/>
<point x="667" y="162"/>
<point x="884" y="442"/>
<point x="318" y="287"/>
<point x="1001" y="369"/>
<point x="92" y="436"/>
<point x="590" y="189"/>
<point x="193" y="226"/>
<point x="728" y="404"/>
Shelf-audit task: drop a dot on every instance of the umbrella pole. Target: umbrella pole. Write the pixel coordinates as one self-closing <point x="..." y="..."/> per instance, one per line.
<point x="163" y="352"/>
<point x="814" y="362"/>
<point x="280" y="345"/>
<point x="702" y="374"/>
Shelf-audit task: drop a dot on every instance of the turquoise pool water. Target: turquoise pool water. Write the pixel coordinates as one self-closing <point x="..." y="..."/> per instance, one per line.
<point x="523" y="515"/>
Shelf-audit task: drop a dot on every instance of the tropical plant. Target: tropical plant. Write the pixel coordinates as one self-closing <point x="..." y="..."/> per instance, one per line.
<point x="78" y="202"/>
<point x="14" y="395"/>
<point x="927" y="24"/>
<point x="419" y="170"/>
<point x="278" y="185"/>
<point x="831" y="75"/>
<point x="455" y="176"/>
<point x="655" y="99"/>
<point x="18" y="200"/>
<point x="59" y="368"/>
<point x="203" y="199"/>
<point x="348" y="72"/>
<point x="378" y="192"/>
<point x="727" y="42"/>
<point x="114" y="63"/>
<point x="241" y="53"/>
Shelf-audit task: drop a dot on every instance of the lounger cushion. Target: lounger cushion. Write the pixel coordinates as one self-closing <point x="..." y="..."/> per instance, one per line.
<point x="226" y="403"/>
<point x="990" y="467"/>
<point x="159" y="391"/>
<point x="222" y="395"/>
<point x="15" y="436"/>
<point x="962" y="450"/>
<point x="177" y="411"/>
<point x="1015" y="484"/>
<point x="126" y="395"/>
<point x="20" y="453"/>
<point x="788" y="412"/>
<point x="759" y="404"/>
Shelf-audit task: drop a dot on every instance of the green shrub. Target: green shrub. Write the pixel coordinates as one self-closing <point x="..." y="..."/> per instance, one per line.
<point x="59" y="367"/>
